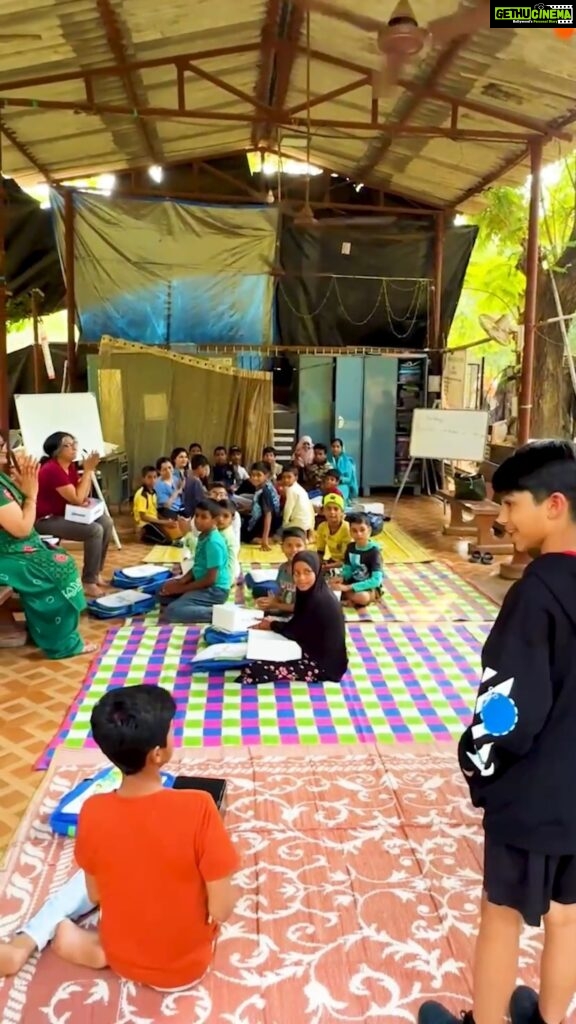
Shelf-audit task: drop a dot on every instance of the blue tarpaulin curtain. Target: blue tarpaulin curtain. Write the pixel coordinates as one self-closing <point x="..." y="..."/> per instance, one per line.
<point x="162" y="272"/>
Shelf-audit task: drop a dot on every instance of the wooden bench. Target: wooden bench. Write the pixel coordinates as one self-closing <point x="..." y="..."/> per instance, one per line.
<point x="458" y="525"/>
<point x="485" y="514"/>
<point x="12" y="634"/>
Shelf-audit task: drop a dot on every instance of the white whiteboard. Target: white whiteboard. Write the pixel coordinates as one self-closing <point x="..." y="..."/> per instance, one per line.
<point x="456" y="434"/>
<point x="42" y="415"/>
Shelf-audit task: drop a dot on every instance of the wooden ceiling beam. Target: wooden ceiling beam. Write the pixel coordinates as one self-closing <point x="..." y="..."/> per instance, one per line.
<point x="379" y="147"/>
<point x="117" y="47"/>
<point x="280" y="48"/>
<point x="26" y="152"/>
<point x="114" y="71"/>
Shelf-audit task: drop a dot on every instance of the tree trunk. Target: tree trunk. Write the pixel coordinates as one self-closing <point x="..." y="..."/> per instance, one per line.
<point x="551" y="408"/>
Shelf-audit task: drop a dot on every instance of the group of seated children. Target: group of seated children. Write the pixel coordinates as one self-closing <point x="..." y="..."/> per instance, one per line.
<point x="176" y="501"/>
<point x="160" y="864"/>
<point x="314" y="466"/>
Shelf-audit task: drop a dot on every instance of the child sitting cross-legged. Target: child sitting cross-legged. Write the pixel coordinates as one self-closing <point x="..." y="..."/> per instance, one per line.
<point x="152" y="529"/>
<point x="362" y="572"/>
<point x="191" y="597"/>
<point x="189" y="532"/>
<point x="225" y="520"/>
<point x="263" y="519"/>
<point x="168" y="489"/>
<point x="298" y="509"/>
<point x="218" y="493"/>
<point x="282" y="603"/>
<point x="241" y="474"/>
<point x="158" y="861"/>
<point x="222" y="472"/>
<point x="333" y="533"/>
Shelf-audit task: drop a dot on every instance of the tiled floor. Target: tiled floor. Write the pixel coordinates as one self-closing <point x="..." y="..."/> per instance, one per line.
<point x="35" y="694"/>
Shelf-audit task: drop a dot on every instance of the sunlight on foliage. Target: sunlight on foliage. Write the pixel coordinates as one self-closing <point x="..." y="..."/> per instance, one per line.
<point x="495" y="281"/>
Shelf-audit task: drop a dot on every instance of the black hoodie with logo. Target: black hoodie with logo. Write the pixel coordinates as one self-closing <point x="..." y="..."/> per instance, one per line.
<point x="519" y="754"/>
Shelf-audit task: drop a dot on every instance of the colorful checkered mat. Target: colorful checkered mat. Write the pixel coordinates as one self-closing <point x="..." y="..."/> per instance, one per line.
<point x="420" y="593"/>
<point x="405" y="683"/>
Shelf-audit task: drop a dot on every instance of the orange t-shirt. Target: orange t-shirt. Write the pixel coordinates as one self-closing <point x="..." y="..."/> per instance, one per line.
<point x="150" y="857"/>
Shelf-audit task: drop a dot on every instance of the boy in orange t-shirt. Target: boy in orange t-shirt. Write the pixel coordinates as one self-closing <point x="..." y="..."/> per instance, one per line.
<point x="158" y="861"/>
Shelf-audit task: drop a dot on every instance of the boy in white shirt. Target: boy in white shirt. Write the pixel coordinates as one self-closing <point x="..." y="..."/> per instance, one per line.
<point x="298" y="509"/>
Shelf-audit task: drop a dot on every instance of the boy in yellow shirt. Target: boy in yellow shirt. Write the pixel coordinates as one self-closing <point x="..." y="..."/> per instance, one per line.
<point x="152" y="529"/>
<point x="333" y="535"/>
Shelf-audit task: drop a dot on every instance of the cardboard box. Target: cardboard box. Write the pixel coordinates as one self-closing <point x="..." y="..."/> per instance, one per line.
<point x="233" y="618"/>
<point x="85" y="514"/>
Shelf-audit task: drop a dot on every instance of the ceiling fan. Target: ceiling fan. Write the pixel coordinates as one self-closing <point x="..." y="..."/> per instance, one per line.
<point x="401" y="37"/>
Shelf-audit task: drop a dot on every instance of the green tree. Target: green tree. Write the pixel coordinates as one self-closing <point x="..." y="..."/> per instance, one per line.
<point x="495" y="283"/>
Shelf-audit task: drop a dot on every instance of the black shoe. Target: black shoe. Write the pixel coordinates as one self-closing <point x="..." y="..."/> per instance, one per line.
<point x="524" y="1006"/>
<point x="435" y="1013"/>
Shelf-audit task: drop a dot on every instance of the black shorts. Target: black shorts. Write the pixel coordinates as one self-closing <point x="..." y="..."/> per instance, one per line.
<point x="528" y="882"/>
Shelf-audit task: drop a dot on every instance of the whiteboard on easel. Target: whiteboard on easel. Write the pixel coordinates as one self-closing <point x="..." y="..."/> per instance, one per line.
<point x="42" y="415"/>
<point x="457" y="435"/>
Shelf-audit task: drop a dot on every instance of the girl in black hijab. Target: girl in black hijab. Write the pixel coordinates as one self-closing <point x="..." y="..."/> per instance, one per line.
<point x="317" y="626"/>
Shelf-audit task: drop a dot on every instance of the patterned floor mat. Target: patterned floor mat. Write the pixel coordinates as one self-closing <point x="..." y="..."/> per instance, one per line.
<point x="405" y="683"/>
<point x="397" y="547"/>
<point x="419" y="593"/>
<point x="359" y="892"/>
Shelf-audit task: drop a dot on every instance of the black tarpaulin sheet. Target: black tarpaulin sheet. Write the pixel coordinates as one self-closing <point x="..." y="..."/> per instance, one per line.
<point x="367" y="284"/>
<point x="31" y="254"/>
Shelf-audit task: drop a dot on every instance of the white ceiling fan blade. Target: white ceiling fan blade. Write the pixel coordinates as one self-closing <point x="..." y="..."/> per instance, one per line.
<point x="464" y="22"/>
<point x="388" y="75"/>
<point x="361" y="21"/>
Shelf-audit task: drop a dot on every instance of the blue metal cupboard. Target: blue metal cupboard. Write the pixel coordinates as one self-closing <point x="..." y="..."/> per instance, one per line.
<point x="368" y="401"/>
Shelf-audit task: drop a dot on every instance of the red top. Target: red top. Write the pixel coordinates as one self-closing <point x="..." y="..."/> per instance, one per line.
<point x="51" y="476"/>
<point x="150" y="857"/>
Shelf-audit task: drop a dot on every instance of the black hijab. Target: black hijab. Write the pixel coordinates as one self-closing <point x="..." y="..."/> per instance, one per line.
<point x="318" y="623"/>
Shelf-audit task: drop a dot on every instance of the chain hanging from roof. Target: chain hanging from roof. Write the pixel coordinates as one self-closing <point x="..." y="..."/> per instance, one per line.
<point x="420" y="288"/>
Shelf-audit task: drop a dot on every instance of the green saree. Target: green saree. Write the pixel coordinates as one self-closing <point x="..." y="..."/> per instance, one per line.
<point x="47" y="583"/>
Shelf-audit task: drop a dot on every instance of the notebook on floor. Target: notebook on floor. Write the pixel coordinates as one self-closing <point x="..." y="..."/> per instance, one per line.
<point x="269" y="646"/>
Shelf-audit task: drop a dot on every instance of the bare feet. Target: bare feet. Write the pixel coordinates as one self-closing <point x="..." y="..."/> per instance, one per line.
<point x="79" y="946"/>
<point x="93" y="590"/>
<point x="14" y="954"/>
<point x="102" y="581"/>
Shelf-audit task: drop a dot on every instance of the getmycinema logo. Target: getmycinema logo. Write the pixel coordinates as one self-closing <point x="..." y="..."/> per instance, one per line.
<point x="537" y="16"/>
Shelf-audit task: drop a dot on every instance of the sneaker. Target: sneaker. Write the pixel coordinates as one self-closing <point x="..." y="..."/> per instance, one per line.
<point x="435" y="1013"/>
<point x="524" y="1006"/>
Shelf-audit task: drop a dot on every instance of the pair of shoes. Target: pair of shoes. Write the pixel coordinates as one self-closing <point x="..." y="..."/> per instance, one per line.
<point x="435" y="1013"/>
<point x="523" y="1010"/>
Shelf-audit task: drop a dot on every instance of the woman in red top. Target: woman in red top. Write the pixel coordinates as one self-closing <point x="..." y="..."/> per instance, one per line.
<point x="59" y="485"/>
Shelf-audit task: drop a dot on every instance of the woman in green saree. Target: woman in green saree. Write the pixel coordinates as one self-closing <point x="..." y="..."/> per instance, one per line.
<point x="46" y="581"/>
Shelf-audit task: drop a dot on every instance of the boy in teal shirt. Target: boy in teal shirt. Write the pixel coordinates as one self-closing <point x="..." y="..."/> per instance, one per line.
<point x="190" y="598"/>
<point x="362" y="572"/>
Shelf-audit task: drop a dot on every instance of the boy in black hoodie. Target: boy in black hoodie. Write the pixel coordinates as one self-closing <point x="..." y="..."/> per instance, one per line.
<point x="519" y="754"/>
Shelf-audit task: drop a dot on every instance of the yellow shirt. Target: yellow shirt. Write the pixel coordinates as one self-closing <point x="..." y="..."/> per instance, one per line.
<point x="333" y="545"/>
<point x="144" y="504"/>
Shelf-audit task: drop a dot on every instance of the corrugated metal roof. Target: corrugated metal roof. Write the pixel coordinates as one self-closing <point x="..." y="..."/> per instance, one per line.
<point x="526" y="74"/>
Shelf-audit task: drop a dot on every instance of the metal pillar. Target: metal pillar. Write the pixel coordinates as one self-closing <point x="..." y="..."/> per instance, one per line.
<point x="526" y="382"/>
<point x="437" y="273"/>
<point x="70" y="287"/>
<point x="4" y="380"/>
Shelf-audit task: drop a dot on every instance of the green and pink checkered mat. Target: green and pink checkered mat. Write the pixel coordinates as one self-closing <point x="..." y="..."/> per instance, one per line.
<point x="405" y="683"/>
<point x="429" y="592"/>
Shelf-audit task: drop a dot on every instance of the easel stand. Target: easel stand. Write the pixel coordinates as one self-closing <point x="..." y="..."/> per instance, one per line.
<point x="428" y="478"/>
<point x="98" y="490"/>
